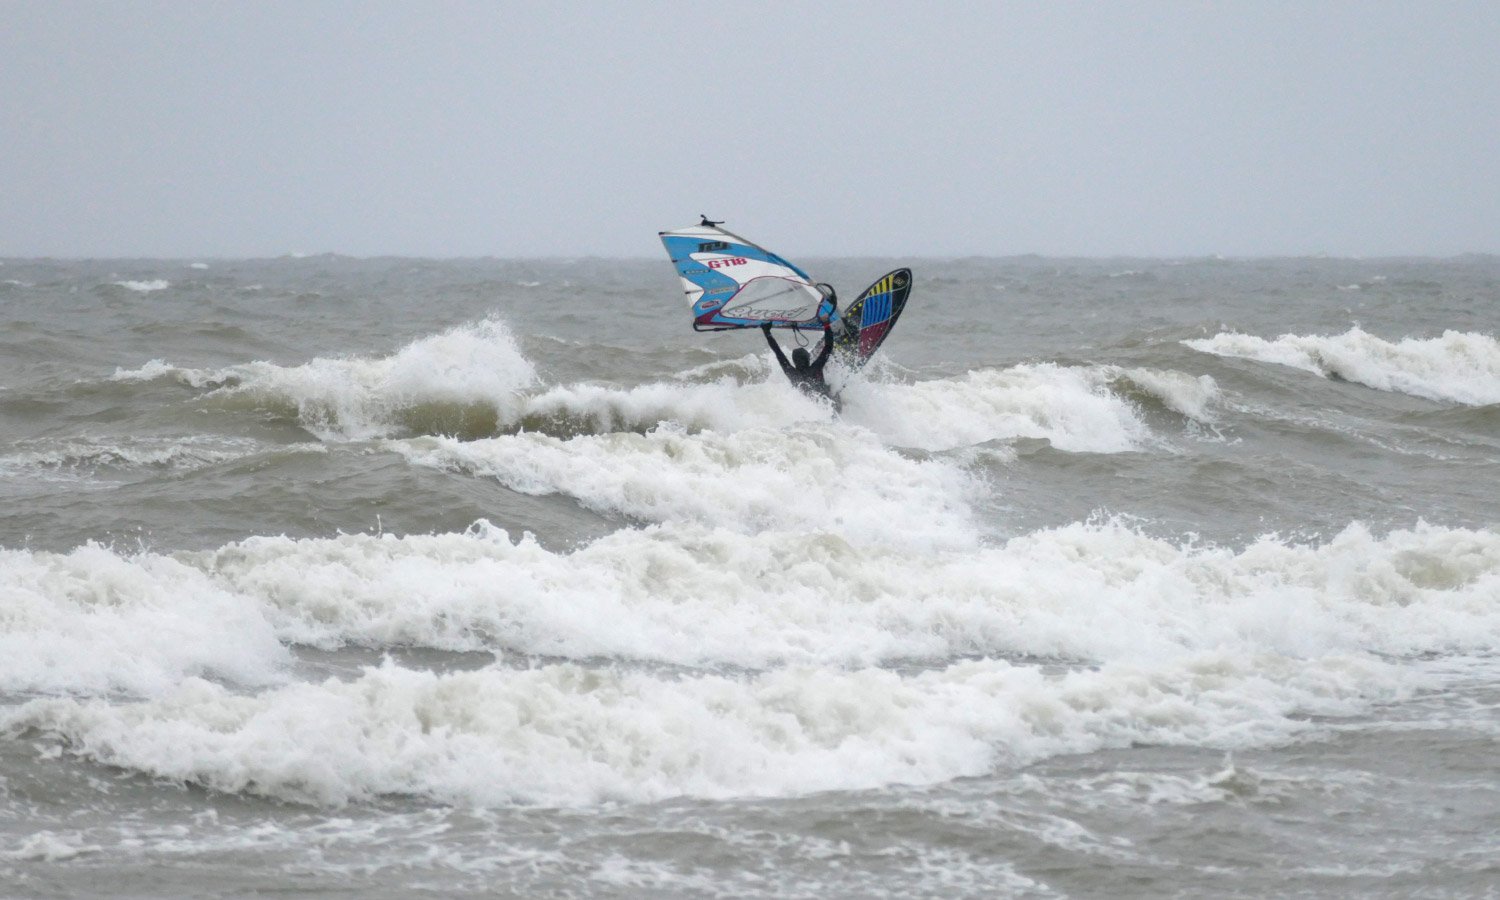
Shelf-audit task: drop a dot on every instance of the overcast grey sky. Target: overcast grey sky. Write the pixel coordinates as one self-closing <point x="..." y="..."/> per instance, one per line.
<point x="868" y="128"/>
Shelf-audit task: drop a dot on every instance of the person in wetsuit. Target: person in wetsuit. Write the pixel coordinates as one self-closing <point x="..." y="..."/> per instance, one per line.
<point x="806" y="374"/>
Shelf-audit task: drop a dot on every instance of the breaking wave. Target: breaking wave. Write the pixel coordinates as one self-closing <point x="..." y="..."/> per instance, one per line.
<point x="564" y="735"/>
<point x="1158" y="642"/>
<point x="1458" y="367"/>
<point x="473" y="382"/>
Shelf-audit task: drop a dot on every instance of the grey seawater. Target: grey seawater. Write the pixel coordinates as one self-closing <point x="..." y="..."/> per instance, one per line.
<point x="99" y="446"/>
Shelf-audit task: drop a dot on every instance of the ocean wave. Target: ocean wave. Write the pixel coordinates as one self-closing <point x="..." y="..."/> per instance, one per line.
<point x="161" y="369"/>
<point x="1072" y="408"/>
<point x="564" y="735"/>
<point x="144" y="287"/>
<point x="469" y="365"/>
<point x="46" y="846"/>
<point x="801" y="478"/>
<point x="1096" y="592"/>
<point x="96" y="621"/>
<point x="469" y="371"/>
<point x="1075" y="409"/>
<point x="1458" y="367"/>
<point x="785" y="637"/>
<point x="725" y="405"/>
<point x="473" y="382"/>
<point x="84" y="456"/>
<point x="1191" y="396"/>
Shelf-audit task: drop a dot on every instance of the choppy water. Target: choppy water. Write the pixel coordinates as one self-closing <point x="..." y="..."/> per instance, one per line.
<point x="390" y="577"/>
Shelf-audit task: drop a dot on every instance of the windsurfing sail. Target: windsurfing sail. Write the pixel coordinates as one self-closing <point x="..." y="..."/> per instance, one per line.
<point x="732" y="283"/>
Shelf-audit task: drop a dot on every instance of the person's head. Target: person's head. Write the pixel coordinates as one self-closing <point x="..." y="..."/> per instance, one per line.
<point x="800" y="359"/>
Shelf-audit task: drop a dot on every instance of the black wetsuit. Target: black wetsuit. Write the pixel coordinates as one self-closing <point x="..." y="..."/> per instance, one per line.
<point x="810" y="379"/>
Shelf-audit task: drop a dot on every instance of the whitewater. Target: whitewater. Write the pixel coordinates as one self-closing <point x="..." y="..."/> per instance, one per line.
<point x="389" y="577"/>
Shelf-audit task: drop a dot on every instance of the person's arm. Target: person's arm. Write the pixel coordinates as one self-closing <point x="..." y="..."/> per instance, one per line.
<point x="827" y="347"/>
<point x="776" y="348"/>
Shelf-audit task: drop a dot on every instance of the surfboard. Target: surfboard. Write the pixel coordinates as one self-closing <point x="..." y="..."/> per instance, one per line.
<point x="731" y="282"/>
<point x="869" y="319"/>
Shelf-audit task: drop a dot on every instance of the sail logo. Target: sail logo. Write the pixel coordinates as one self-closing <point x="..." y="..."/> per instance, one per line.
<point x="776" y="315"/>
<point x="724" y="263"/>
<point x="711" y="246"/>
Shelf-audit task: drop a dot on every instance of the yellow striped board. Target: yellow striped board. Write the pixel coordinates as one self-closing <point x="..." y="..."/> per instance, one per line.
<point x="869" y="319"/>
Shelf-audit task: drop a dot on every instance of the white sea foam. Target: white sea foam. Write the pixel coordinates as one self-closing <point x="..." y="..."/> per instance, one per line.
<point x="49" y="847"/>
<point x="567" y="735"/>
<point x="1458" y="367"/>
<point x="1230" y="783"/>
<point x="160" y="368"/>
<point x="724" y="405"/>
<point x="1074" y="409"/>
<point x="816" y="543"/>
<point x="807" y="478"/>
<point x="152" y="370"/>
<point x="704" y="597"/>
<point x="1194" y="645"/>
<point x="1187" y="395"/>
<point x="144" y="287"/>
<point x="93" y="621"/>
<point x="1070" y="407"/>
<point x="84" y="456"/>
<point x="360" y="398"/>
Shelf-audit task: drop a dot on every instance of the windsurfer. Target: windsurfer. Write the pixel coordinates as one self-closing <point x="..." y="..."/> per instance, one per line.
<point x="805" y="373"/>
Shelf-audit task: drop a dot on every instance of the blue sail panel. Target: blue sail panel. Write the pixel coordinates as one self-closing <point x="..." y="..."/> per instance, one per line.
<point x="733" y="283"/>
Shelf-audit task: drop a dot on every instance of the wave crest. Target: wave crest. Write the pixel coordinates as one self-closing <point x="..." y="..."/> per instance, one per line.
<point x="1458" y="367"/>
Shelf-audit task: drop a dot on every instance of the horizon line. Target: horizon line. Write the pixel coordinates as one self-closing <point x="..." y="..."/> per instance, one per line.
<point x="557" y="257"/>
